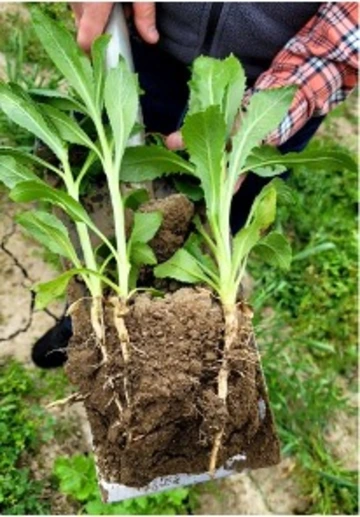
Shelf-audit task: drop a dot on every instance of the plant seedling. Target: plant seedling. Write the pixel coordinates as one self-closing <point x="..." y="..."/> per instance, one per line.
<point x="93" y="92"/>
<point x="219" y="156"/>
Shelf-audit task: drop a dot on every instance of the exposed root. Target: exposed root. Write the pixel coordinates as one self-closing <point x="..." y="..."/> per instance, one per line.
<point x="97" y="321"/>
<point x="71" y="399"/>
<point x="98" y="324"/>
<point x="230" y="336"/>
<point x="70" y="310"/>
<point x="120" y="310"/>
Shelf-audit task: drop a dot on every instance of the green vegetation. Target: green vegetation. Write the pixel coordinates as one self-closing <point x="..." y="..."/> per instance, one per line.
<point x="24" y="427"/>
<point x="313" y="327"/>
<point x="77" y="479"/>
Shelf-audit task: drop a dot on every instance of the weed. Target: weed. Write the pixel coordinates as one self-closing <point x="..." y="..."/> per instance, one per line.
<point x="77" y="478"/>
<point x="23" y="426"/>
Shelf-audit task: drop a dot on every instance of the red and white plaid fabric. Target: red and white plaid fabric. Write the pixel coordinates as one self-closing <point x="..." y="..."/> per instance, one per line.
<point x="322" y="59"/>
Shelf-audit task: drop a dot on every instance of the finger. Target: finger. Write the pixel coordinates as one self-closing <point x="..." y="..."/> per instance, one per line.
<point x="144" y="18"/>
<point x="77" y="8"/>
<point x="239" y="182"/>
<point x="174" y="141"/>
<point x="92" y="23"/>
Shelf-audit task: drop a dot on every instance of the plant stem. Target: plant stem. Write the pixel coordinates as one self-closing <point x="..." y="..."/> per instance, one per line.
<point x="221" y="233"/>
<point x="112" y="174"/>
<point x="123" y="264"/>
<point x="93" y="283"/>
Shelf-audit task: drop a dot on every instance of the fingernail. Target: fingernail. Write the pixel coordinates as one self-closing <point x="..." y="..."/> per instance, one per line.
<point x="153" y="33"/>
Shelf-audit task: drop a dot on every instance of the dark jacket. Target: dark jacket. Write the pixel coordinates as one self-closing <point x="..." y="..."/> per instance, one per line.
<point x="253" y="31"/>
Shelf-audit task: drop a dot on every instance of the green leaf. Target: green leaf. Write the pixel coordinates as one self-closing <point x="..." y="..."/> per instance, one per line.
<point x="136" y="198"/>
<point x="50" y="231"/>
<point x="243" y="243"/>
<point x="133" y="276"/>
<point x="98" y="54"/>
<point x="235" y="90"/>
<point x="182" y="266"/>
<point x="268" y="157"/>
<point x="146" y="163"/>
<point x="275" y="250"/>
<point x="121" y="103"/>
<point x="35" y="191"/>
<point x="188" y="188"/>
<point x="24" y="112"/>
<point x="263" y="210"/>
<point x="194" y="246"/>
<point x="68" y="129"/>
<point x="204" y="134"/>
<point x="265" y="161"/>
<point x="217" y="82"/>
<point x="261" y="216"/>
<point x="49" y="291"/>
<point x="66" y="55"/>
<point x="23" y="157"/>
<point x="208" y="83"/>
<point x="13" y="172"/>
<point x="309" y="251"/>
<point x="57" y="99"/>
<point x="284" y="193"/>
<point x="96" y="507"/>
<point x="145" y="226"/>
<point x="141" y="253"/>
<point x="265" y="112"/>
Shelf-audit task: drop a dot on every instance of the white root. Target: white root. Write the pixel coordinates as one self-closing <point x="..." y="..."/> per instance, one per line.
<point x="230" y="335"/>
<point x="120" y="310"/>
<point x="98" y="324"/>
<point x="71" y="399"/>
<point x="97" y="321"/>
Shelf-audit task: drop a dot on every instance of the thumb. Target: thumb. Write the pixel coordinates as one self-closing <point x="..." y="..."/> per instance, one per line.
<point x="174" y="141"/>
<point x="144" y="18"/>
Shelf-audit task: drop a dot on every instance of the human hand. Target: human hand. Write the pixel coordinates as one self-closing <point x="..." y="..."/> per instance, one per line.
<point x="91" y="19"/>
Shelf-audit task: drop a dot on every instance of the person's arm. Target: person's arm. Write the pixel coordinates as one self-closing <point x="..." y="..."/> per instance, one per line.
<point x="322" y="59"/>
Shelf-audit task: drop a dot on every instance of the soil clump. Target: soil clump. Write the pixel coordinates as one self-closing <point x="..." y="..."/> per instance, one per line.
<point x="168" y="425"/>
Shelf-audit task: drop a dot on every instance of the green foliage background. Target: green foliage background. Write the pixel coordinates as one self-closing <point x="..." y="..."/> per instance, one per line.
<point x="309" y="344"/>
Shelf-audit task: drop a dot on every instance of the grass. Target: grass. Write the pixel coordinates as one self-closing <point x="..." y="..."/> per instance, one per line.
<point x="24" y="427"/>
<point x="308" y="340"/>
<point x="77" y="479"/>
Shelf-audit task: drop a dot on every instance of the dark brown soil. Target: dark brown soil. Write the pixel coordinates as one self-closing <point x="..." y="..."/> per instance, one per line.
<point x="174" y="412"/>
<point x="177" y="213"/>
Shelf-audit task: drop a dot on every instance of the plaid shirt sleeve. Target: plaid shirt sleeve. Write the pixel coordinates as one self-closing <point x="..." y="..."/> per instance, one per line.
<point x="322" y="59"/>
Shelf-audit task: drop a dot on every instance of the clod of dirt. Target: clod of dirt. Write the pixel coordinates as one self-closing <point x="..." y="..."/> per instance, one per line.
<point x="177" y="213"/>
<point x="174" y="413"/>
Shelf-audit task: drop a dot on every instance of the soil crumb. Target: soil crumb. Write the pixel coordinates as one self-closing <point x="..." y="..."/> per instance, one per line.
<point x="169" y="424"/>
<point x="177" y="213"/>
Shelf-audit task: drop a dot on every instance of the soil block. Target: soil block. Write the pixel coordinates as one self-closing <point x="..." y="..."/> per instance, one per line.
<point x="170" y="411"/>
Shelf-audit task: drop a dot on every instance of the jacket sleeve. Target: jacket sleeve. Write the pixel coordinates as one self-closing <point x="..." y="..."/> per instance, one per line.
<point x="322" y="59"/>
